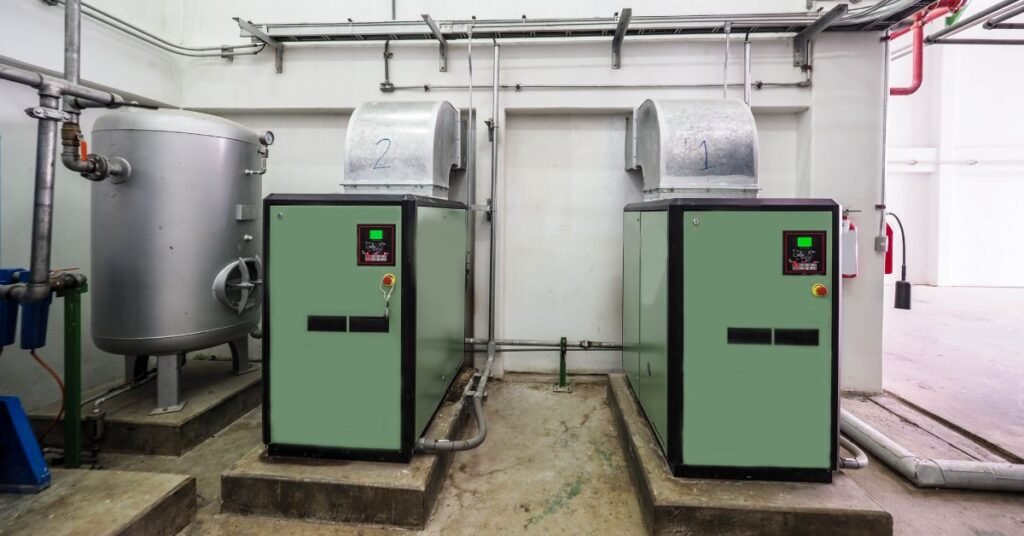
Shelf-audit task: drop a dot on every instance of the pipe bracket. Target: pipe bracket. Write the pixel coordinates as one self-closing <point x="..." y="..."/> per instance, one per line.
<point x="51" y="114"/>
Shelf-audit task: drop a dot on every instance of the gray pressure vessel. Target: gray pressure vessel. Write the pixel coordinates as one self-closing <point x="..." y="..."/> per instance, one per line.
<point x="176" y="246"/>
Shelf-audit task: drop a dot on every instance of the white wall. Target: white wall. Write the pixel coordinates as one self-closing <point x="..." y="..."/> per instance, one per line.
<point x="822" y="142"/>
<point x="961" y="220"/>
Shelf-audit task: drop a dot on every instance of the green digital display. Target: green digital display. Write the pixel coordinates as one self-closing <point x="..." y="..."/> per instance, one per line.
<point x="378" y="234"/>
<point x="801" y="241"/>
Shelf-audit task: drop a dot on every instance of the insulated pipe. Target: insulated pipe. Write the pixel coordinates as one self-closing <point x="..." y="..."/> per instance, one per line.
<point x="918" y="59"/>
<point x="929" y="473"/>
<point x="492" y="269"/>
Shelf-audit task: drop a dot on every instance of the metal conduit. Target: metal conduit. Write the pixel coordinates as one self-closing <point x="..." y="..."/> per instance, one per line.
<point x="117" y="23"/>
<point x="491" y="269"/>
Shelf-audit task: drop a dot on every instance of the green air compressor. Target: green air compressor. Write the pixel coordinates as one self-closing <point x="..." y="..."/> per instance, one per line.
<point x="731" y="337"/>
<point x="363" y="323"/>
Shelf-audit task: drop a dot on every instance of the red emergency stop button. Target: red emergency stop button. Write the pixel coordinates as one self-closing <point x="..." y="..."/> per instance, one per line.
<point x="388" y="280"/>
<point x="819" y="290"/>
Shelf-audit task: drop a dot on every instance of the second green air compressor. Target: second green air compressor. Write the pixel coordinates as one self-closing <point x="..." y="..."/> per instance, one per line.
<point x="730" y="334"/>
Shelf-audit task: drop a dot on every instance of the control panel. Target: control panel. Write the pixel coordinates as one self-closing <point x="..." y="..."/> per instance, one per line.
<point x="376" y="245"/>
<point x="803" y="253"/>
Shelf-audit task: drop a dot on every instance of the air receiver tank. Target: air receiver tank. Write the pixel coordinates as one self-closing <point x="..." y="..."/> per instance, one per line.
<point x="175" y="247"/>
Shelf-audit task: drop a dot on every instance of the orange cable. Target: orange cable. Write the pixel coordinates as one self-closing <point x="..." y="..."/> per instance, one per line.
<point x="60" y="384"/>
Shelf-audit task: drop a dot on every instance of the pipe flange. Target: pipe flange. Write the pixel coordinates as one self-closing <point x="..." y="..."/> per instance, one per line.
<point x="52" y="114"/>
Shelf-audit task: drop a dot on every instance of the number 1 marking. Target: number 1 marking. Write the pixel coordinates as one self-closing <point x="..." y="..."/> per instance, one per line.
<point x="704" y="144"/>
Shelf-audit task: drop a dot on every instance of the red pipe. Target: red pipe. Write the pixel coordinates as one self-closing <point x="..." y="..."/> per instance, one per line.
<point x="918" y="57"/>
<point x="932" y="15"/>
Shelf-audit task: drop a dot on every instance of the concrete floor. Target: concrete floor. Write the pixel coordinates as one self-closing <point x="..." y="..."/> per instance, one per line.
<point x="552" y="465"/>
<point x="958" y="354"/>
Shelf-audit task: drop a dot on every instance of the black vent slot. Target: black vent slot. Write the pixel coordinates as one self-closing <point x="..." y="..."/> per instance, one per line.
<point x="369" y="324"/>
<point x="326" y="323"/>
<point x="749" y="336"/>
<point x="796" y="337"/>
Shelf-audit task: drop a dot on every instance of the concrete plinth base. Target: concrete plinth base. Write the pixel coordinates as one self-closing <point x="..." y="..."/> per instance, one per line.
<point x="215" y="397"/>
<point x="345" y="491"/>
<point x="103" y="502"/>
<point x="688" y="506"/>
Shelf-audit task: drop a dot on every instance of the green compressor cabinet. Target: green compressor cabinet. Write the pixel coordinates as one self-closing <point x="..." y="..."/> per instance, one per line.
<point x="730" y="334"/>
<point x="350" y="372"/>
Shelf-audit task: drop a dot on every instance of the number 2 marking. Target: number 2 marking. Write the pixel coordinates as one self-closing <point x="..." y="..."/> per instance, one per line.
<point x="376" y="165"/>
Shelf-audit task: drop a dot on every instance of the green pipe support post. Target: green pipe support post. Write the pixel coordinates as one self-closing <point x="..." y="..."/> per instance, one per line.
<point x="563" y="384"/>
<point x="73" y="375"/>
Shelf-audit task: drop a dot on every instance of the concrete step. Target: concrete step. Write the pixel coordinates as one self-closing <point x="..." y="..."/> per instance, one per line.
<point x="102" y="503"/>
<point x="691" y="506"/>
<point x="345" y="491"/>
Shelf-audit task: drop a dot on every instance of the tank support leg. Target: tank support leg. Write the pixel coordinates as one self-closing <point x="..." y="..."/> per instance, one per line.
<point x="240" y="356"/>
<point x="168" y="384"/>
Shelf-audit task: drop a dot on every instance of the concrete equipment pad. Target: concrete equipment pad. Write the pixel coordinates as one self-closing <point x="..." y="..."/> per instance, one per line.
<point x="215" y="396"/>
<point x="102" y="502"/>
<point x="346" y="491"/>
<point x="689" y="506"/>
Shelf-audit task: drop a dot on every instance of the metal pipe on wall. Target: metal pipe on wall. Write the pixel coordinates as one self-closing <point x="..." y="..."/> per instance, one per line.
<point x="42" y="214"/>
<point x="746" y="69"/>
<point x="725" y="66"/>
<point x="470" y="201"/>
<point x="492" y="271"/>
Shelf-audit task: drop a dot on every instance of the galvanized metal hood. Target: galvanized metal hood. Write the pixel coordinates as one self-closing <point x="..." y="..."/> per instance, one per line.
<point x="402" y="148"/>
<point x="693" y="148"/>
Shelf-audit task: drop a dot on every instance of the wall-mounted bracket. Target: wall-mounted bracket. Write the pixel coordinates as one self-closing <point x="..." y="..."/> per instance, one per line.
<point x="620" y="33"/>
<point x="386" y="86"/>
<point x="802" y="40"/>
<point x="442" y="43"/>
<point x="261" y="35"/>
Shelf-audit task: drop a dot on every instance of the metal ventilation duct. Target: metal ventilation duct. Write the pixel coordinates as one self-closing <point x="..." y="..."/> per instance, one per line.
<point x="693" y="148"/>
<point x="402" y="148"/>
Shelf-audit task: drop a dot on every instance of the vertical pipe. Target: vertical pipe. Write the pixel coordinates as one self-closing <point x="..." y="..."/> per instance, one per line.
<point x="72" y="40"/>
<point x="492" y="268"/>
<point x="72" y="378"/>
<point x="42" y="215"/>
<point x="880" y="243"/>
<point x="746" y="70"/>
<point x="471" y="201"/>
<point x="562" y="350"/>
<point x="725" y="65"/>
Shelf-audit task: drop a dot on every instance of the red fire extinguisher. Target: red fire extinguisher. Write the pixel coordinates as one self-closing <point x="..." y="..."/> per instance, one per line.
<point x="888" y="252"/>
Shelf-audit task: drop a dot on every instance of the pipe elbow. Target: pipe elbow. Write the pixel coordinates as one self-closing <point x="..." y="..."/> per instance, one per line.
<point x="35" y="292"/>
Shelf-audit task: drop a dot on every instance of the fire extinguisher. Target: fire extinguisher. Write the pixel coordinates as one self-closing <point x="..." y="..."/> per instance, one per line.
<point x="902" y="286"/>
<point x="848" y="243"/>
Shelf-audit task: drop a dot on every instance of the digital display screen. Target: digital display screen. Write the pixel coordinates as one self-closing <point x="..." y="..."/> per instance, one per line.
<point x="801" y="241"/>
<point x="375" y="244"/>
<point x="803" y="253"/>
<point x="378" y="234"/>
